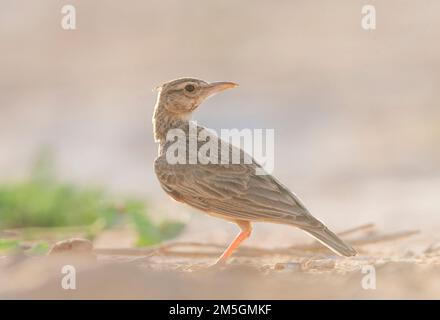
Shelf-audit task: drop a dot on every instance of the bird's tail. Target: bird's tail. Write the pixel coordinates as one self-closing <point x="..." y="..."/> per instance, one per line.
<point x="330" y="240"/>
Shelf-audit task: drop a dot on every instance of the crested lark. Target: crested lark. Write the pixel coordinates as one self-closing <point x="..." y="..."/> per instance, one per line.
<point x="230" y="191"/>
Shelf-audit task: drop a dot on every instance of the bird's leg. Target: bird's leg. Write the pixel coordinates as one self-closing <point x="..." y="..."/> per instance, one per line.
<point x="246" y="229"/>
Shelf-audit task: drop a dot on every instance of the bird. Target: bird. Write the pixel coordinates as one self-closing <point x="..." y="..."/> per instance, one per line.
<point x="231" y="191"/>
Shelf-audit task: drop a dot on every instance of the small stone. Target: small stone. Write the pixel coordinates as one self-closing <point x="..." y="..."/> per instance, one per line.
<point x="74" y="245"/>
<point x="319" y="264"/>
<point x="287" y="266"/>
<point x="279" y="266"/>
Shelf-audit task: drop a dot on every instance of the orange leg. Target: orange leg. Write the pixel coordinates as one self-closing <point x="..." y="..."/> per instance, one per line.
<point x="246" y="230"/>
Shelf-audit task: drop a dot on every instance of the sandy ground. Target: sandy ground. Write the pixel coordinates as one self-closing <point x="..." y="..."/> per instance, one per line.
<point x="404" y="267"/>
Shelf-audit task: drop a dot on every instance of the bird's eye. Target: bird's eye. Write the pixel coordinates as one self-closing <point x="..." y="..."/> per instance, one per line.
<point x="189" y="88"/>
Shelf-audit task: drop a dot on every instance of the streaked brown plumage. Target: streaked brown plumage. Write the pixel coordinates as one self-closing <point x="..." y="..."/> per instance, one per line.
<point x="230" y="191"/>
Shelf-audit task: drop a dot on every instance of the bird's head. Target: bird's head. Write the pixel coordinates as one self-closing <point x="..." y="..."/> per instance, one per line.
<point x="182" y="96"/>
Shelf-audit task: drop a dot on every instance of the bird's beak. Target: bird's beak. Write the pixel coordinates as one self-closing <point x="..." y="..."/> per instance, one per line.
<point x="216" y="87"/>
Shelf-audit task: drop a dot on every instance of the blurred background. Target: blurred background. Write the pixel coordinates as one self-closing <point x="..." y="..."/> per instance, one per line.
<point x="356" y="113"/>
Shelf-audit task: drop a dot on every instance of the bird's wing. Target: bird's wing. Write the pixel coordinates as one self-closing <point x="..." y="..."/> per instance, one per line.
<point x="235" y="192"/>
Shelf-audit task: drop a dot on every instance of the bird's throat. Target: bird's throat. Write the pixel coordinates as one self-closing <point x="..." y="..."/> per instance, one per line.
<point x="164" y="120"/>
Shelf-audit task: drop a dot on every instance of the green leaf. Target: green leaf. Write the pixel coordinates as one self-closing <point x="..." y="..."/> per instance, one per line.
<point x="7" y="245"/>
<point x="40" y="248"/>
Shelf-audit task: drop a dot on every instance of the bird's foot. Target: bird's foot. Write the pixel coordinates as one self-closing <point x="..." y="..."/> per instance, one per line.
<point x="220" y="263"/>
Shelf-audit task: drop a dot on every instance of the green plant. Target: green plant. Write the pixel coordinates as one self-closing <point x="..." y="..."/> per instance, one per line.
<point x="148" y="232"/>
<point x="45" y="202"/>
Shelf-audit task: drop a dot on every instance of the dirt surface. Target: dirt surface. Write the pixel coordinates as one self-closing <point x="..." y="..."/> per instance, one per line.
<point x="405" y="266"/>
